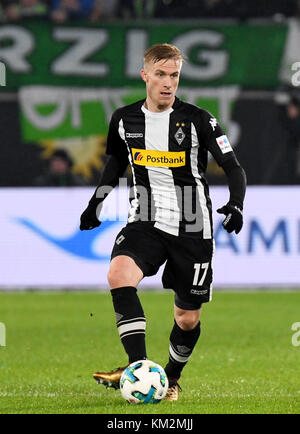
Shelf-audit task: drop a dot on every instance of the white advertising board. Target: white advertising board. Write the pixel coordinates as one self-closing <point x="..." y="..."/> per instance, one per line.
<point x="42" y="246"/>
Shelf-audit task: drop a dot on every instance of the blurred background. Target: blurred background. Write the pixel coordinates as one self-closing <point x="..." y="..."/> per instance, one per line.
<point x="66" y="65"/>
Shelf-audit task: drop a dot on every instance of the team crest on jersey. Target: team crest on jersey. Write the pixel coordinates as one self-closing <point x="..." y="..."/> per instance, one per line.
<point x="179" y="135"/>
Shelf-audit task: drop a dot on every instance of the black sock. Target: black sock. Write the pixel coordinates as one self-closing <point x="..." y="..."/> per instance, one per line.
<point x="131" y="322"/>
<point x="182" y="343"/>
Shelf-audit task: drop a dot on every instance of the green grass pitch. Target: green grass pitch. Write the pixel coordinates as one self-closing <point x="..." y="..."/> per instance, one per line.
<point x="244" y="362"/>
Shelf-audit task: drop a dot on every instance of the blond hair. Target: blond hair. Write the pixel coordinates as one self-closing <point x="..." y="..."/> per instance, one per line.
<point x="162" y="51"/>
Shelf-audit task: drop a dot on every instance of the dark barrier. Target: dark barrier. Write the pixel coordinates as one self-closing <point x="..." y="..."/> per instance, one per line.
<point x="265" y="144"/>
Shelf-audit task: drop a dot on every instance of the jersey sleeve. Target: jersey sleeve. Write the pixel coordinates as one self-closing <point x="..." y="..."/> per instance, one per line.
<point x="217" y="143"/>
<point x="215" y="140"/>
<point x="115" y="144"/>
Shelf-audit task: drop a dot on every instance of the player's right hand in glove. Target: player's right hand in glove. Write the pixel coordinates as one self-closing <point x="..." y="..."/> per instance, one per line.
<point x="89" y="219"/>
<point x="234" y="217"/>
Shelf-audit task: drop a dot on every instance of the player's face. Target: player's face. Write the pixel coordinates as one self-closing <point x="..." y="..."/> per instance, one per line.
<point x="161" y="80"/>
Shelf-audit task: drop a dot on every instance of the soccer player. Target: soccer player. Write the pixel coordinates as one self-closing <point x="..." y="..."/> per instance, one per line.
<point x="166" y="142"/>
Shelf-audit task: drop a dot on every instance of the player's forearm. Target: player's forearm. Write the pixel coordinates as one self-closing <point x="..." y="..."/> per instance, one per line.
<point x="236" y="178"/>
<point x="112" y="172"/>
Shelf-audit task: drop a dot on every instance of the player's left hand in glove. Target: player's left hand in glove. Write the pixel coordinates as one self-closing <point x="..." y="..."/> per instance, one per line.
<point x="234" y="217"/>
<point x="89" y="219"/>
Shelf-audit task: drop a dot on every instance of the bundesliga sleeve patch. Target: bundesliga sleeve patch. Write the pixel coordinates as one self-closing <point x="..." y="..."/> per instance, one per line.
<point x="224" y="144"/>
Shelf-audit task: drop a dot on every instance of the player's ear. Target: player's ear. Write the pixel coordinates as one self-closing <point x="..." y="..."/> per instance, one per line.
<point x="144" y="75"/>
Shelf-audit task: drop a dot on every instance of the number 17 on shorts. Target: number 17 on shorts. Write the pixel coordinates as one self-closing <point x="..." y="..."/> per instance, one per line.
<point x="202" y="281"/>
<point x="200" y="273"/>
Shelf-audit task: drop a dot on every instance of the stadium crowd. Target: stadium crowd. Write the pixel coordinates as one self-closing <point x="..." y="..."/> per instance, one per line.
<point x="97" y="10"/>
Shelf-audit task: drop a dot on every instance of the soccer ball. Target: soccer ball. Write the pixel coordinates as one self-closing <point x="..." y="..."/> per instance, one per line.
<point x="144" y="382"/>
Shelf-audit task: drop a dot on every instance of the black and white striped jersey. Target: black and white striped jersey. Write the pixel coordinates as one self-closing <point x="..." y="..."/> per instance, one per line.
<point x="168" y="153"/>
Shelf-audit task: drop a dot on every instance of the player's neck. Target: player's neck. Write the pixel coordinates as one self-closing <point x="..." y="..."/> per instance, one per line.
<point x="156" y="108"/>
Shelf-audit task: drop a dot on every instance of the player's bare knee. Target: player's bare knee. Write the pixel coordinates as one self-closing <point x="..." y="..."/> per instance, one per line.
<point x="188" y="319"/>
<point x="117" y="278"/>
<point x="123" y="272"/>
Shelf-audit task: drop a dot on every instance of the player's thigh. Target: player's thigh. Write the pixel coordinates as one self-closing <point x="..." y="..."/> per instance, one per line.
<point x="138" y="242"/>
<point x="189" y="272"/>
<point x="124" y="271"/>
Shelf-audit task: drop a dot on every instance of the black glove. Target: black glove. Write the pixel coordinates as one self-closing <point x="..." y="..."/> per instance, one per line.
<point x="234" y="218"/>
<point x="89" y="219"/>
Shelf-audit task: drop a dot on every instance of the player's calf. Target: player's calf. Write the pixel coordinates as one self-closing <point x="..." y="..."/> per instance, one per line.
<point x="131" y="322"/>
<point x="182" y="343"/>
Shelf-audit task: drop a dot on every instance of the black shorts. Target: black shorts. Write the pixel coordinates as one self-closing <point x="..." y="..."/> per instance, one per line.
<point x="188" y="269"/>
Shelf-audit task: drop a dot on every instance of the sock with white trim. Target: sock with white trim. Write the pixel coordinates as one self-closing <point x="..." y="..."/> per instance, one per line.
<point x="182" y="343"/>
<point x="131" y="322"/>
